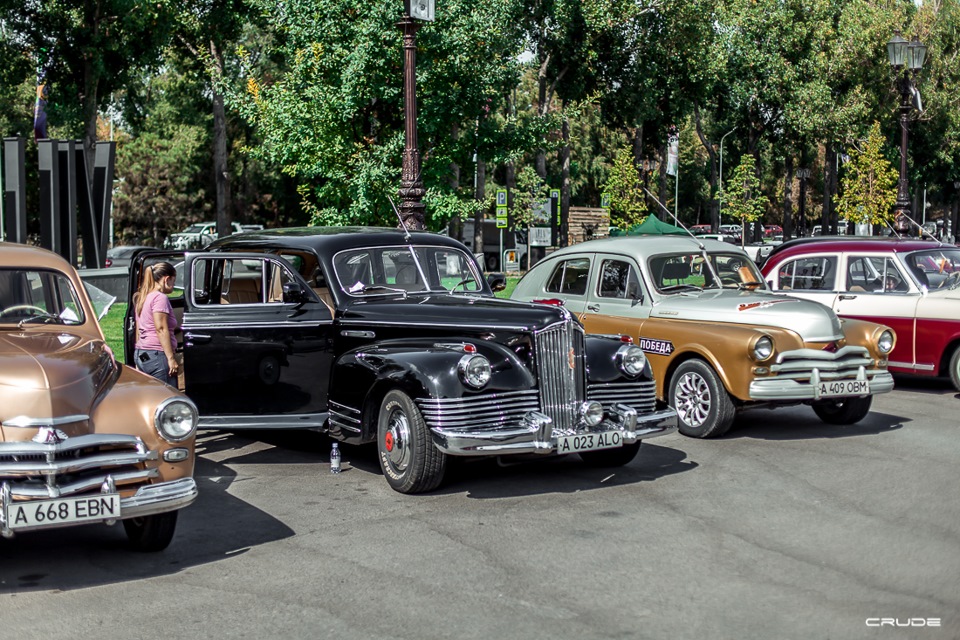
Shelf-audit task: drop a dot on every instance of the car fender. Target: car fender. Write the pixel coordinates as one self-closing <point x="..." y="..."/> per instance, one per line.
<point x="421" y="369"/>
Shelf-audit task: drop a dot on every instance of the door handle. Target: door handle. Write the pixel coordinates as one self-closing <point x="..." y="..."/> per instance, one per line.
<point x="197" y="338"/>
<point x="593" y="307"/>
<point x="844" y="296"/>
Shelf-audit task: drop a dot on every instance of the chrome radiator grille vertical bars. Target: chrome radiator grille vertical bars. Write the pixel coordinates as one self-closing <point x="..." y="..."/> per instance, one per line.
<point x="560" y="368"/>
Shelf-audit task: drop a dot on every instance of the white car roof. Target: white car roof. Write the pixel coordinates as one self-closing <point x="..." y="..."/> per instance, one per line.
<point x="648" y="245"/>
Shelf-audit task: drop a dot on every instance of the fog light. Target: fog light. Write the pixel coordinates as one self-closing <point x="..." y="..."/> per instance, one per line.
<point x="176" y="455"/>
<point x="592" y="413"/>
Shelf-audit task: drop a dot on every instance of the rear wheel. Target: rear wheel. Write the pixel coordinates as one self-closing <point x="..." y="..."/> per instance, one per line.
<point x="408" y="458"/>
<point x="842" y="410"/>
<point x="151" y="533"/>
<point x="611" y="457"/>
<point x="704" y="408"/>
<point x="955" y="366"/>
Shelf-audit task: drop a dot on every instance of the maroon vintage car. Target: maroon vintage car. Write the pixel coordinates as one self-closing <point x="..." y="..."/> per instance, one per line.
<point x="912" y="286"/>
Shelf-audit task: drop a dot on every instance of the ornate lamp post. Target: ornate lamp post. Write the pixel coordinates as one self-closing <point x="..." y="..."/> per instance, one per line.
<point x="908" y="56"/>
<point x="803" y="173"/>
<point x="411" y="186"/>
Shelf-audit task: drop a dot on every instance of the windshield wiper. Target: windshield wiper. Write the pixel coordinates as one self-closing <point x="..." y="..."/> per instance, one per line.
<point x="367" y="288"/>
<point x="45" y="318"/>
<point x="680" y="287"/>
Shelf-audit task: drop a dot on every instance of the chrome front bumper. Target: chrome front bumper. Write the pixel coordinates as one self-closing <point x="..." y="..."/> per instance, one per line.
<point x="148" y="500"/>
<point x="535" y="433"/>
<point x="773" y="389"/>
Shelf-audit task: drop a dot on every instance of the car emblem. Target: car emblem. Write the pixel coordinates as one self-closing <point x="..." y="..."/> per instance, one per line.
<point x="49" y="435"/>
<point x="571" y="359"/>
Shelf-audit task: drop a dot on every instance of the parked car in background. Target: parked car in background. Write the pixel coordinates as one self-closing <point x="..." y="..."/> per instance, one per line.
<point x="911" y="285"/>
<point x="378" y="336"/>
<point x="197" y="236"/>
<point x="758" y="251"/>
<point x="717" y="341"/>
<point x="83" y="439"/>
<point x="120" y="256"/>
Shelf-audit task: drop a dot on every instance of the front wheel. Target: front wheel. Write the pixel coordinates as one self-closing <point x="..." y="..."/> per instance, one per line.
<point x="408" y="458"/>
<point x="955" y="366"/>
<point x="704" y="408"/>
<point x="611" y="457"/>
<point x="842" y="410"/>
<point x="151" y="533"/>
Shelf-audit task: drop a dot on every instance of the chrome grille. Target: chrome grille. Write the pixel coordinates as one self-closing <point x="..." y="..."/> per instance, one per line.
<point x="642" y="396"/>
<point x="844" y="364"/>
<point x="74" y="465"/>
<point x="560" y="370"/>
<point x="490" y="411"/>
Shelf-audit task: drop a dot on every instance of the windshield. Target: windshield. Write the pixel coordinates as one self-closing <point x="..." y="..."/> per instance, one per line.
<point x="935" y="268"/>
<point x="675" y="273"/>
<point x="385" y="270"/>
<point x="36" y="296"/>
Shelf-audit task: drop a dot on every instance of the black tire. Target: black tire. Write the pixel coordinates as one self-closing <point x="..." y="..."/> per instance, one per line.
<point x="151" y="533"/>
<point x="955" y="368"/>
<point x="492" y="263"/>
<point x="842" y="410"/>
<point x="611" y="457"/>
<point x="704" y="408"/>
<point x="408" y="458"/>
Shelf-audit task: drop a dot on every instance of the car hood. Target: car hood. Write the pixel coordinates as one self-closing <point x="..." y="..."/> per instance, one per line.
<point x="46" y="375"/>
<point x="813" y="321"/>
<point x="464" y="311"/>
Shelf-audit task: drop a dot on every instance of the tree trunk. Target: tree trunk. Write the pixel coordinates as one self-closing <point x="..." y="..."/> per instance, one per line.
<point x="829" y="177"/>
<point x="565" y="183"/>
<point x="788" y="197"/>
<point x="479" y="194"/>
<point x="708" y="145"/>
<point x="955" y="223"/>
<point x="221" y="175"/>
<point x="456" y="224"/>
<point x="662" y="187"/>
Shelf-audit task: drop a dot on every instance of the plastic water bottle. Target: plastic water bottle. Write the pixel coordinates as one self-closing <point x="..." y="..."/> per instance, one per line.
<point x="335" y="459"/>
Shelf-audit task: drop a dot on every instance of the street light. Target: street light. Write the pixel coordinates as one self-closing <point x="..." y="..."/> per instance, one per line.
<point x="803" y="173"/>
<point x="411" y="186"/>
<point x="910" y="57"/>
<point x="720" y="199"/>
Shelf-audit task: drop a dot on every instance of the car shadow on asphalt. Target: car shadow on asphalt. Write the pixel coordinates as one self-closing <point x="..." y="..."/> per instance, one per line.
<point x="924" y="385"/>
<point x="214" y="528"/>
<point x="805" y="425"/>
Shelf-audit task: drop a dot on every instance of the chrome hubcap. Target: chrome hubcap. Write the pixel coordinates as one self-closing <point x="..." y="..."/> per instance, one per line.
<point x="693" y="399"/>
<point x="395" y="441"/>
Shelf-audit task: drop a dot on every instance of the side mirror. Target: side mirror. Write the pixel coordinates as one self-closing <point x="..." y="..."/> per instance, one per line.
<point x="293" y="293"/>
<point x="497" y="281"/>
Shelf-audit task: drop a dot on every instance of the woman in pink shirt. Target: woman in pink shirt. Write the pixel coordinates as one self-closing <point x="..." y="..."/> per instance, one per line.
<point x="156" y="347"/>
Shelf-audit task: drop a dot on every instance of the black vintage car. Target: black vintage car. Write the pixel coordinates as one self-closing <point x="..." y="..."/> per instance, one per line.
<point x="376" y="335"/>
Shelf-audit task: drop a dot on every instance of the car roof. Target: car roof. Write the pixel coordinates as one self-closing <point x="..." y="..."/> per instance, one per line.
<point x="646" y="245"/>
<point x="852" y="243"/>
<point x="327" y="240"/>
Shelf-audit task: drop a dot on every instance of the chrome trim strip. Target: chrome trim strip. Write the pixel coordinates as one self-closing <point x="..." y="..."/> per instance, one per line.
<point x="28" y="422"/>
<point x="343" y="407"/>
<point x="305" y="421"/>
<point x="72" y="444"/>
<point x="906" y="365"/>
<point x="88" y="484"/>
<point x="198" y="326"/>
<point x="100" y="461"/>
<point x="387" y="323"/>
<point x="349" y="333"/>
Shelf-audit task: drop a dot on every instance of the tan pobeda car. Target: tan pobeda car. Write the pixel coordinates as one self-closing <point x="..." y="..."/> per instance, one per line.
<point x="83" y="439"/>
<point x="718" y="342"/>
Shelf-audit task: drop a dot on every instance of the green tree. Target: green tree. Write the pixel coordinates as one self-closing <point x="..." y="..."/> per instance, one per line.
<point x="742" y="193"/>
<point x="627" y="199"/>
<point x="869" y="183"/>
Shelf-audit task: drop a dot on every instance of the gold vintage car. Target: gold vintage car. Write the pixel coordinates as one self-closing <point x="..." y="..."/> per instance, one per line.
<point x="716" y="341"/>
<point x="83" y="439"/>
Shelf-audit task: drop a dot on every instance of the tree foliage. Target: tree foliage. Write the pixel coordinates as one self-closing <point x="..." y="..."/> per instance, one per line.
<point x="742" y="195"/>
<point x="869" y="183"/>
<point x="627" y="199"/>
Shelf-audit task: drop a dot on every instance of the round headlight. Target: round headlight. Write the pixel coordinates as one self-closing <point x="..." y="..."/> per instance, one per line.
<point x="475" y="371"/>
<point x="763" y="348"/>
<point x="631" y="360"/>
<point x="592" y="413"/>
<point x="176" y="419"/>
<point x="885" y="343"/>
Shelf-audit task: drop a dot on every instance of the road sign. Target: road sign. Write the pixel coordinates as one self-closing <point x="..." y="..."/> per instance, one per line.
<point x="605" y="201"/>
<point x="555" y="193"/>
<point x="501" y="198"/>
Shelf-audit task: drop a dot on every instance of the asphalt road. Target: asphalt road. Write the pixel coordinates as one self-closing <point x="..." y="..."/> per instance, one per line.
<point x="784" y="528"/>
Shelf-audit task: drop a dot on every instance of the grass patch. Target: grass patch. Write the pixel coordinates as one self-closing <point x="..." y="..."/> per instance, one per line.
<point x="511" y="285"/>
<point x="112" y="325"/>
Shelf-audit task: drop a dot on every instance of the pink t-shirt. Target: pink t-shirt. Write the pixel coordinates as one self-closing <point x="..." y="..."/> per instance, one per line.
<point x="147" y="337"/>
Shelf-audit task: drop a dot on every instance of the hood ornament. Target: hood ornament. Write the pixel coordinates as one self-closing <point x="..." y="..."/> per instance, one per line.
<point x="49" y="435"/>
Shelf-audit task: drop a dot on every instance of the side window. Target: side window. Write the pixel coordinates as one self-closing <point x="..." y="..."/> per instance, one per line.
<point x="220" y="281"/>
<point x="618" y="279"/>
<point x="570" y="277"/>
<point x="816" y="273"/>
<point x="874" y="273"/>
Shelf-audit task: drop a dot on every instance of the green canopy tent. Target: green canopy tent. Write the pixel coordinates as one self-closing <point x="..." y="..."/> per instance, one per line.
<point x="652" y="226"/>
